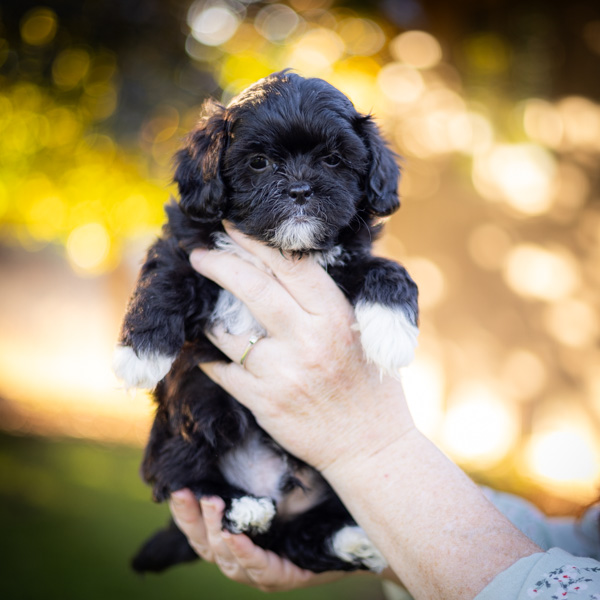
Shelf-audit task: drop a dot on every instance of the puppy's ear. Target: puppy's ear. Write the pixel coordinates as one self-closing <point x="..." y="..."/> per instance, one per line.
<point x="383" y="170"/>
<point x="198" y="172"/>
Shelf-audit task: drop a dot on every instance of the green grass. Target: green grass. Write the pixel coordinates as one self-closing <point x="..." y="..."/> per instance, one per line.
<point x="72" y="513"/>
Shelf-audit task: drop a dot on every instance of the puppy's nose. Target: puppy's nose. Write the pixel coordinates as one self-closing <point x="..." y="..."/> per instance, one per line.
<point x="300" y="192"/>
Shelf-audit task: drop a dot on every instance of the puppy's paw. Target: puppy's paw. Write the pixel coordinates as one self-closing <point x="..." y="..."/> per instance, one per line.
<point x="387" y="335"/>
<point x="352" y="545"/>
<point x="248" y="514"/>
<point x="140" y="371"/>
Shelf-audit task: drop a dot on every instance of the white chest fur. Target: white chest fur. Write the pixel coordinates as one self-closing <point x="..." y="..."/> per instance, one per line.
<point x="232" y="313"/>
<point x="257" y="469"/>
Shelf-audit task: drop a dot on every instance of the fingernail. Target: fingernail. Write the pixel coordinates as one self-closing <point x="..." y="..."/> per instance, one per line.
<point x="226" y="535"/>
<point x="209" y="502"/>
<point x="178" y="497"/>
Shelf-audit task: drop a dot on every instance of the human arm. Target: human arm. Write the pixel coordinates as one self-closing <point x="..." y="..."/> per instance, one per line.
<point x="309" y="386"/>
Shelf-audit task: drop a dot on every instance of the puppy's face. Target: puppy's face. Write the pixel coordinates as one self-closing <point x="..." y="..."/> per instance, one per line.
<point x="290" y="162"/>
<point x="293" y="174"/>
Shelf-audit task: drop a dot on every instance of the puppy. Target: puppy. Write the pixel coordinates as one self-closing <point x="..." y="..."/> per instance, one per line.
<point x="291" y="163"/>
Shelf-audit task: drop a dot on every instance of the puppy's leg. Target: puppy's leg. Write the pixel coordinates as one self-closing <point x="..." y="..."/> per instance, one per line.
<point x="153" y="329"/>
<point x="352" y="545"/>
<point x="324" y="539"/>
<point x="167" y="547"/>
<point x="387" y="312"/>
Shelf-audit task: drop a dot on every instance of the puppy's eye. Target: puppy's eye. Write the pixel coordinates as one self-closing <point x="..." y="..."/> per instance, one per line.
<point x="259" y="162"/>
<point x="332" y="160"/>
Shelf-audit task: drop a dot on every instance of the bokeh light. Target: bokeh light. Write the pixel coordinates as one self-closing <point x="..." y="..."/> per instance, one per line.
<point x="480" y="427"/>
<point x="540" y="273"/>
<point x="38" y="27"/>
<point x="499" y="224"/>
<point x="212" y="24"/>
<point x="417" y="49"/>
<point x="522" y="175"/>
<point x="565" y="459"/>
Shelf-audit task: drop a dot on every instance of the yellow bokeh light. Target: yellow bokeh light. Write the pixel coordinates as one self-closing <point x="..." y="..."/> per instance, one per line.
<point x="469" y="132"/>
<point x="3" y="199"/>
<point x="542" y="122"/>
<point x="316" y="51"/>
<point x="520" y="174"/>
<point x="355" y="76"/>
<point x="100" y="100"/>
<point x="565" y="460"/>
<point x="65" y="126"/>
<point x="541" y="274"/>
<point x="417" y="49"/>
<point x="70" y="67"/>
<point x="362" y="37"/>
<point x="573" y="323"/>
<point x="46" y="217"/>
<point x="480" y="427"/>
<point x="276" y="22"/>
<point x="133" y="210"/>
<point x="581" y="119"/>
<point x="88" y="247"/>
<point x="38" y="27"/>
<point x="240" y="71"/>
<point x="424" y="382"/>
<point x="212" y="24"/>
<point x="400" y="84"/>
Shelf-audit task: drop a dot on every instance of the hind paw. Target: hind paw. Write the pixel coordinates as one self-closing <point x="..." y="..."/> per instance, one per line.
<point x="249" y="515"/>
<point x="352" y="545"/>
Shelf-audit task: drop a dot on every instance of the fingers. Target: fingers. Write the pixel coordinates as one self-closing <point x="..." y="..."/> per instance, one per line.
<point x="304" y="278"/>
<point x="232" y="378"/>
<point x="236" y="555"/>
<point x="268" y="301"/>
<point x="186" y="514"/>
<point x="251" y="347"/>
<point x="264" y="569"/>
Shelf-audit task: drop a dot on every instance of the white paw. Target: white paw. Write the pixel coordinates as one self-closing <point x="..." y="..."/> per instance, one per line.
<point x="251" y="514"/>
<point x="140" y="372"/>
<point x="388" y="337"/>
<point x="352" y="545"/>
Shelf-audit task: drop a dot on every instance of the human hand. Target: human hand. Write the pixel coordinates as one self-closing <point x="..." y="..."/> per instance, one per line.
<point x="307" y="383"/>
<point x="236" y="555"/>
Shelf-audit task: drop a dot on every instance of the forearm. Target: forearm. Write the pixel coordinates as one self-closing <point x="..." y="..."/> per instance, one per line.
<point x="441" y="536"/>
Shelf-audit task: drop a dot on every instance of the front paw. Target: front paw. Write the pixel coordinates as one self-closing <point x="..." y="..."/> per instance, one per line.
<point x="352" y="545"/>
<point x="140" y="371"/>
<point x="388" y="336"/>
<point x="249" y="515"/>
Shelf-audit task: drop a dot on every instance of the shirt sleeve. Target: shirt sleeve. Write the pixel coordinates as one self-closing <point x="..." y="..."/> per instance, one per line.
<point x="578" y="536"/>
<point x="551" y="575"/>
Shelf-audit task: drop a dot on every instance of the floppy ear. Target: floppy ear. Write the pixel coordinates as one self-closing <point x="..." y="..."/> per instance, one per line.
<point x="383" y="172"/>
<point x="201" y="189"/>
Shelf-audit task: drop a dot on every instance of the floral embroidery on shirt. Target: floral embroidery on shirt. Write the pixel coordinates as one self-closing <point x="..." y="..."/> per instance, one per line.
<point x="564" y="582"/>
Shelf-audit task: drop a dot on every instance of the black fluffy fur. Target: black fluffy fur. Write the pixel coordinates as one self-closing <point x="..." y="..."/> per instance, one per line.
<point x="298" y="125"/>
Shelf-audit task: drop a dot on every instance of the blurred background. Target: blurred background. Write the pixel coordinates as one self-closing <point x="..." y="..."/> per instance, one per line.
<point x="494" y="106"/>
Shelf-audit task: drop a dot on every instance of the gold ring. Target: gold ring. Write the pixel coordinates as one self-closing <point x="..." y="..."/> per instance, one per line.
<point x="253" y="339"/>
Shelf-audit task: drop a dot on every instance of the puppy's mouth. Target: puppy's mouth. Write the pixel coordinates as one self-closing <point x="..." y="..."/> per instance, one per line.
<point x="299" y="233"/>
<point x="301" y="215"/>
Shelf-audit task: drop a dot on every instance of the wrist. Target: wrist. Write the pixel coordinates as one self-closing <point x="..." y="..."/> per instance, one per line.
<point x="373" y="429"/>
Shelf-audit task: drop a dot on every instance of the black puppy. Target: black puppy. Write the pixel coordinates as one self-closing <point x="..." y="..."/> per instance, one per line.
<point x="291" y="163"/>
